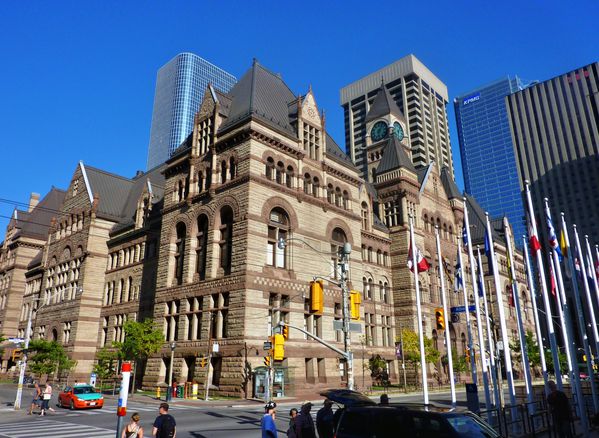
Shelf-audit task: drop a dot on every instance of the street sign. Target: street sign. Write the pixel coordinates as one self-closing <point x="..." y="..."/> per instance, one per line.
<point x="16" y="340"/>
<point x="462" y="309"/>
<point x="267" y="345"/>
<point x="354" y="327"/>
<point x="215" y="347"/>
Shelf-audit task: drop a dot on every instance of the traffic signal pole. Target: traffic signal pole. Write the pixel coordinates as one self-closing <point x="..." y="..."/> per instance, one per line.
<point x="349" y="357"/>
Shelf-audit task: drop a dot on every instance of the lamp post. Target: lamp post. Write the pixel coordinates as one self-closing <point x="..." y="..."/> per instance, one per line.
<point x="19" y="395"/>
<point x="169" y="391"/>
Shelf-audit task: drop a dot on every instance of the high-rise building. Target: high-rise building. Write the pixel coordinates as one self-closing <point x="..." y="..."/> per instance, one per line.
<point x="420" y="96"/>
<point x="487" y="152"/>
<point x="555" y="131"/>
<point x="180" y="86"/>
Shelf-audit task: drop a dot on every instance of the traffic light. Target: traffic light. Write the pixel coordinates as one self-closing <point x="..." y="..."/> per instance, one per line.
<point x="203" y="362"/>
<point x="355" y="299"/>
<point x="440" y="318"/>
<point x="317" y="296"/>
<point x="279" y="347"/>
<point x="286" y="332"/>
<point x="467" y="354"/>
<point x="267" y="361"/>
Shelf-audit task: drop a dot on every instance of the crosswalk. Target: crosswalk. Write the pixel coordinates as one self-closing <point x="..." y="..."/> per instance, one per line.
<point x="112" y="410"/>
<point x="52" y="429"/>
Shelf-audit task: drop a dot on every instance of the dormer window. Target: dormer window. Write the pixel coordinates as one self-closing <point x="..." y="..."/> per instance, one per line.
<point x="312" y="138"/>
<point x="204" y="135"/>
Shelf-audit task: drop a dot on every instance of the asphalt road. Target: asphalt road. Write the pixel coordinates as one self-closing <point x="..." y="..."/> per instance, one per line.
<point x="197" y="421"/>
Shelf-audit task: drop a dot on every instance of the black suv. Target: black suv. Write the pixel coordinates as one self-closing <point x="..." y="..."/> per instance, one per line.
<point x="361" y="417"/>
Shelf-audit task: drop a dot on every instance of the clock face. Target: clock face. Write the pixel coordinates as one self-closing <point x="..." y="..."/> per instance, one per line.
<point x="398" y="131"/>
<point x="378" y="131"/>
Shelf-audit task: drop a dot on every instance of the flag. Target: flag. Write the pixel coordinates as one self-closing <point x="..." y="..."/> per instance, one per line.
<point x="590" y="270"/>
<point x="447" y="271"/>
<point x="421" y="261"/>
<point x="479" y="278"/>
<point x="552" y="277"/>
<point x="509" y="271"/>
<point x="464" y="235"/>
<point x="399" y="350"/>
<point x="458" y="281"/>
<point x="534" y="240"/>
<point x="597" y="270"/>
<point x="488" y="252"/>
<point x="563" y="245"/>
<point x="553" y="243"/>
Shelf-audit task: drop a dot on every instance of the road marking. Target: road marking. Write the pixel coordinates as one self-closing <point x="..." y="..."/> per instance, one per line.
<point x="52" y="429"/>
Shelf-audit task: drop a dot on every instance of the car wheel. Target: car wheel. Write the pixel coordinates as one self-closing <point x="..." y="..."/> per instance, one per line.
<point x="72" y="406"/>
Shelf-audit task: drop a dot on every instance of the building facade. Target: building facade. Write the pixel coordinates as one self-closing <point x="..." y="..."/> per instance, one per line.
<point x="555" y="131"/>
<point x="419" y="94"/>
<point x="488" y="160"/>
<point x="180" y="85"/>
<point x="193" y="245"/>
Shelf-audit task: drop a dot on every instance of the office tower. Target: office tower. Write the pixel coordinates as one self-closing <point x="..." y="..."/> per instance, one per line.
<point x="180" y="87"/>
<point x="488" y="160"/>
<point x="420" y="96"/>
<point x="555" y="131"/>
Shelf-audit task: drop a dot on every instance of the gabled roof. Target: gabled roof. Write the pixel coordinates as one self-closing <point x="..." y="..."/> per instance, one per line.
<point x="383" y="105"/>
<point x="451" y="189"/>
<point x="477" y="218"/>
<point x="36" y="222"/>
<point x="394" y="157"/>
<point x="334" y="151"/>
<point x="262" y="94"/>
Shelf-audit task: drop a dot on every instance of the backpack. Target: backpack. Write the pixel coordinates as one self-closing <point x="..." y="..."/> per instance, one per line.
<point x="167" y="428"/>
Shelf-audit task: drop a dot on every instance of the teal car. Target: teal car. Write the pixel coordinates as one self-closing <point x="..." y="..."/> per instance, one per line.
<point x="80" y="397"/>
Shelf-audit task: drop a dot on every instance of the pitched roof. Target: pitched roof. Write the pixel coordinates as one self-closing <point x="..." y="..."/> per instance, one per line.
<point x="477" y="218"/>
<point x="382" y="105"/>
<point x="451" y="189"/>
<point x="36" y="222"/>
<point x="262" y="94"/>
<point x="334" y="151"/>
<point x="394" y="157"/>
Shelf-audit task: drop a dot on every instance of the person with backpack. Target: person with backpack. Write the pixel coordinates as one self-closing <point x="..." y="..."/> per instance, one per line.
<point x="164" y="425"/>
<point x="268" y="426"/>
<point x="133" y="429"/>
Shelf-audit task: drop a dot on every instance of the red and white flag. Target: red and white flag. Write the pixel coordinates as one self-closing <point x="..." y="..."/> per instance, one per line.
<point x="534" y="240"/>
<point x="553" y="285"/>
<point x="421" y="261"/>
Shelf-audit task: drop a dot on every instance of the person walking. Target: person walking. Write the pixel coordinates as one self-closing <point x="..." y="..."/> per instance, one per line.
<point x="292" y="431"/>
<point x="37" y="395"/>
<point x="305" y="423"/>
<point x="164" y="425"/>
<point x="46" y="397"/>
<point x="267" y="424"/>
<point x="133" y="429"/>
<point x="384" y="400"/>
<point x="324" y="420"/>
<point x="560" y="411"/>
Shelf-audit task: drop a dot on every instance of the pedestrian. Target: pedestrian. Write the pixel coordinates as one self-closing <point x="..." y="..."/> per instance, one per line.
<point x="133" y="429"/>
<point x="46" y="397"/>
<point x="305" y="423"/>
<point x="324" y="420"/>
<point x="560" y="411"/>
<point x="164" y="425"/>
<point x="268" y="426"/>
<point x="37" y="396"/>
<point x="384" y="399"/>
<point x="292" y="431"/>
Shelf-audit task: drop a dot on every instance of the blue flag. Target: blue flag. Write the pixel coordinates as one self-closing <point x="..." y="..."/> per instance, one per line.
<point x="458" y="283"/>
<point x="488" y="252"/>
<point x="480" y="279"/>
<point x="464" y="235"/>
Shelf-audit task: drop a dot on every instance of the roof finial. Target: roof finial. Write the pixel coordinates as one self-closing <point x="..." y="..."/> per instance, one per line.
<point x="254" y="61"/>
<point x="310" y="88"/>
<point x="382" y="81"/>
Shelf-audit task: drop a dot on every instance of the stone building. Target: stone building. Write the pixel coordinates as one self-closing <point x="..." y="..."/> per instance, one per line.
<point x="193" y="244"/>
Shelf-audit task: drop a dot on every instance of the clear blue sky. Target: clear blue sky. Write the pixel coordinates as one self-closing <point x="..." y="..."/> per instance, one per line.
<point x="77" y="78"/>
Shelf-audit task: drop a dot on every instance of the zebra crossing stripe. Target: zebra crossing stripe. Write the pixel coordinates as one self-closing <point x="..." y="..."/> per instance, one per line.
<point x="52" y="429"/>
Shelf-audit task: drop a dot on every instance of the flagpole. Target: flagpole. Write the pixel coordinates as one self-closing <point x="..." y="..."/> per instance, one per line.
<point x="582" y="330"/>
<point x="543" y="281"/>
<point x="502" y="324"/>
<point x="535" y="309"/>
<point x="446" y="314"/>
<point x="479" y="321"/>
<point x="560" y="305"/>
<point x="418" y="311"/>
<point x="522" y="335"/>
<point x="591" y="269"/>
<point x="467" y="311"/>
<point x="497" y="401"/>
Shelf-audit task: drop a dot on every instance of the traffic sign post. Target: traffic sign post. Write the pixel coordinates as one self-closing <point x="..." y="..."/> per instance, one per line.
<point x="121" y="409"/>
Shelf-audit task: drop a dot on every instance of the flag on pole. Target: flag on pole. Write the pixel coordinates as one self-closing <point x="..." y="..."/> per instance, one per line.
<point x="552" y="277"/>
<point x="458" y="278"/>
<point x="590" y="270"/>
<point x="509" y="270"/>
<point x="533" y="239"/>
<point x="563" y="245"/>
<point x="421" y="261"/>
<point x="479" y="278"/>
<point x="597" y="270"/>
<point x="553" y="243"/>
<point x="488" y="252"/>
<point x="464" y="235"/>
<point x="447" y="271"/>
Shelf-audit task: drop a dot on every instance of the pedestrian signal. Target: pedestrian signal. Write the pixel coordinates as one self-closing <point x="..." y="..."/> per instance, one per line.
<point x="355" y="299"/>
<point x="440" y="318"/>
<point x="279" y="347"/>
<point x="317" y="296"/>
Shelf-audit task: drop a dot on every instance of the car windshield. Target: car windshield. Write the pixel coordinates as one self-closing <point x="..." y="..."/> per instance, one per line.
<point x="83" y="390"/>
<point x="471" y="427"/>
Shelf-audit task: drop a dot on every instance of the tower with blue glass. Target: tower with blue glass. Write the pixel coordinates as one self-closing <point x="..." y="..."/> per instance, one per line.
<point x="487" y="152"/>
<point x="180" y="86"/>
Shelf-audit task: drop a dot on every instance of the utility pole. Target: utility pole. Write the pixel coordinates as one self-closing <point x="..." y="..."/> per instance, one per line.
<point x="344" y="265"/>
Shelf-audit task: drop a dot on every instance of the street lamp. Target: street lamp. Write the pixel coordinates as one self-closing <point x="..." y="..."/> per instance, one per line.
<point x="78" y="290"/>
<point x="169" y="391"/>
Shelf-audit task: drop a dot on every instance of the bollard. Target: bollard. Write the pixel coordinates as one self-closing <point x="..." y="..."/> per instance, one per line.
<point x="158" y="393"/>
<point x="194" y="391"/>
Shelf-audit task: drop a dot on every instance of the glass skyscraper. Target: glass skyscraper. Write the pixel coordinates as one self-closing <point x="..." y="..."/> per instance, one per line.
<point x="180" y="87"/>
<point x="488" y="160"/>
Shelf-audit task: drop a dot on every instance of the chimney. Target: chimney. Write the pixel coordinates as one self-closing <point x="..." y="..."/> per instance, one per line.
<point x="34" y="199"/>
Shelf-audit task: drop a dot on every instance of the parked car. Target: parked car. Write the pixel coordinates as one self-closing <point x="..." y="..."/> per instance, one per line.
<point x="80" y="396"/>
<point x="361" y="417"/>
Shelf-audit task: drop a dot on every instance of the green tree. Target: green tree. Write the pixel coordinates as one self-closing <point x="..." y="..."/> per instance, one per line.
<point x="534" y="355"/>
<point x="460" y="364"/>
<point x="411" y="349"/>
<point x="377" y="365"/>
<point x="142" y="339"/>
<point x="106" y="364"/>
<point x="48" y="357"/>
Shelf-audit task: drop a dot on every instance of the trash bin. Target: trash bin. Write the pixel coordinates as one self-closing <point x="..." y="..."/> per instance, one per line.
<point x="180" y="391"/>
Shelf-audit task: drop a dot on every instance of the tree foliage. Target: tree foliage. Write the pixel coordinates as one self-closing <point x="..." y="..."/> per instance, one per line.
<point x="411" y="348"/>
<point x="534" y="355"/>
<point x="106" y="364"/>
<point x="460" y="363"/>
<point x="142" y="339"/>
<point x="378" y="368"/>
<point x="48" y="357"/>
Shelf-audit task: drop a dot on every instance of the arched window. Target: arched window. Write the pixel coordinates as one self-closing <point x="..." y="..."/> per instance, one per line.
<point x="338" y="197"/>
<point x="307" y="184"/>
<point x="370" y="254"/>
<point x="280" y="172"/>
<point x="278" y="228"/>
<point x="315" y="187"/>
<point x="226" y="239"/>
<point x="289" y="177"/>
<point x="208" y="178"/>
<point x="232" y="167"/>
<point x="345" y="200"/>
<point x="453" y="338"/>
<point x="130" y="289"/>
<point x="386" y="293"/>
<point x="270" y="168"/>
<point x="223" y="172"/>
<point x="200" y="181"/>
<point x="379" y="257"/>
<point x="180" y="191"/>
<point x="180" y="252"/>
<point x="364" y="215"/>
<point x="202" y="246"/>
<point x="338" y="239"/>
<point x="330" y="193"/>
